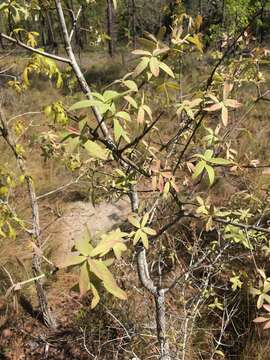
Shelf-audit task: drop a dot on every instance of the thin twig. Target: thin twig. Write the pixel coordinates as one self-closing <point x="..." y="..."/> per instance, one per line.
<point x="34" y="50"/>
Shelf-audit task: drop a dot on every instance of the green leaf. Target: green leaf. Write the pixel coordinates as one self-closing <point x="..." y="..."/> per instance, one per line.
<point x="135" y="222"/>
<point x="70" y="260"/>
<point x="149" y="231"/>
<point x="211" y="173"/>
<point x="84" y="282"/>
<point x="95" y="150"/>
<point x="83" y="104"/>
<point x="115" y="290"/>
<point x="200" y="200"/>
<point x="98" y="96"/>
<point x="83" y="245"/>
<point x="137" y="236"/>
<point x="260" y="301"/>
<point x="262" y="273"/>
<point x="82" y="124"/>
<point x="3" y="190"/>
<point x="72" y="144"/>
<point x="108" y="242"/>
<point x="220" y="353"/>
<point x="4" y="6"/>
<point x="47" y="110"/>
<point x="96" y="297"/>
<point x="141" y="67"/>
<point x="148" y="44"/>
<point x="167" y="69"/>
<point x="25" y="77"/>
<point x="148" y="110"/>
<point x="144" y="220"/>
<point x="100" y="270"/>
<point x="208" y="155"/>
<point x="196" y="41"/>
<point x="59" y="81"/>
<point x="111" y="95"/>
<point x="144" y="238"/>
<point x="118" y="130"/>
<point x="141" y="52"/>
<point x="154" y="66"/>
<point x="254" y="292"/>
<point x="199" y="169"/>
<point x="220" y="161"/>
<point x="131" y="101"/>
<point x="123" y="115"/>
<point x="267" y="298"/>
<point x="131" y="85"/>
<point x="118" y="249"/>
<point x="109" y="262"/>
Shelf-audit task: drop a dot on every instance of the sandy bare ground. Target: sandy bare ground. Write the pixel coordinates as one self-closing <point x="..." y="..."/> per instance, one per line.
<point x="77" y="215"/>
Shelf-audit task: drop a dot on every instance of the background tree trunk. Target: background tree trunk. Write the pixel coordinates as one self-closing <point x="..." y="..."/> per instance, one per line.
<point x="110" y="25"/>
<point x="133" y="23"/>
<point x="51" y="35"/>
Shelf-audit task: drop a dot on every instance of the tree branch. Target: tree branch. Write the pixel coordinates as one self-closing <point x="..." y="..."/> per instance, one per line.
<point x="75" y="21"/>
<point x="77" y="71"/>
<point x="34" y="50"/>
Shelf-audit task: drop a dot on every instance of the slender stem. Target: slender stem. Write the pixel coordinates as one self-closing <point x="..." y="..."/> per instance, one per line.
<point x="144" y="133"/>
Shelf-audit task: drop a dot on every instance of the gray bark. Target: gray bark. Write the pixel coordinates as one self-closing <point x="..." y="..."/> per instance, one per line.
<point x="47" y="315"/>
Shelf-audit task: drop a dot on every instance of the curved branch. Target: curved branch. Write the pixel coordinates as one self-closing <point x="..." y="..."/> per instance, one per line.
<point x="34" y="50"/>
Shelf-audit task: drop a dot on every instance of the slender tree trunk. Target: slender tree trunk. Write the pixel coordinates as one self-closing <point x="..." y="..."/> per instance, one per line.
<point x="47" y="315"/>
<point x="262" y="23"/>
<point x="51" y="35"/>
<point x="159" y="297"/>
<point x="155" y="291"/>
<point x="110" y="30"/>
<point x="161" y="324"/>
<point x="84" y="23"/>
<point x="200" y="7"/>
<point x="223" y="13"/>
<point x="134" y="24"/>
<point x="42" y="30"/>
